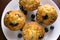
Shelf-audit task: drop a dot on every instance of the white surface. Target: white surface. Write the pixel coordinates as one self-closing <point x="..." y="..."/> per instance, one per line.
<point x="12" y="35"/>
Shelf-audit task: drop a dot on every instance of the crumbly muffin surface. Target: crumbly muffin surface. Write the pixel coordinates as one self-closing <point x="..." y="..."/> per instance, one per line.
<point x="14" y="20"/>
<point x="46" y="14"/>
<point x="29" y="5"/>
<point x="33" y="31"/>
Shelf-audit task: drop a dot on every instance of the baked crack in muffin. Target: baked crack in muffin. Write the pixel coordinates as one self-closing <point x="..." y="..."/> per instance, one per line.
<point x="46" y="14"/>
<point x="29" y="5"/>
<point x="33" y="31"/>
<point x="14" y="20"/>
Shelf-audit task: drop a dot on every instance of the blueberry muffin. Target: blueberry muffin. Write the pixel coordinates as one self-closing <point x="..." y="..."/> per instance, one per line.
<point x="33" y="31"/>
<point x="29" y="5"/>
<point x="46" y="14"/>
<point x="14" y="20"/>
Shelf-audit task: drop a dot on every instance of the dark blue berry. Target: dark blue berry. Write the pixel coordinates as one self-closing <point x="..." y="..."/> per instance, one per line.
<point x="32" y="20"/>
<point x="19" y="35"/>
<point x="22" y="9"/>
<point x="25" y="12"/>
<point x="8" y="12"/>
<point x="45" y="17"/>
<point x="33" y="16"/>
<point x="51" y="27"/>
<point x="12" y="24"/>
<point x="46" y="30"/>
<point x="21" y="29"/>
<point x="40" y="37"/>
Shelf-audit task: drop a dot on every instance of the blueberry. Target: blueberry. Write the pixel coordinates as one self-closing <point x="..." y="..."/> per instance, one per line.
<point x="45" y="17"/>
<point x="8" y="12"/>
<point x="33" y="16"/>
<point x="32" y="20"/>
<point x="46" y="30"/>
<point x="51" y="27"/>
<point x="40" y="37"/>
<point x="21" y="29"/>
<point x="19" y="35"/>
<point x="25" y="12"/>
<point x="12" y="24"/>
<point x="22" y="9"/>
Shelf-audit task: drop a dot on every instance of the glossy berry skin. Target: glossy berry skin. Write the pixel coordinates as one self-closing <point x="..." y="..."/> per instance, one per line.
<point x="22" y="9"/>
<point x="12" y="24"/>
<point x="45" y="17"/>
<point x="32" y="16"/>
<point x="19" y="35"/>
<point x="8" y="12"/>
<point x="40" y="37"/>
<point x="51" y="27"/>
<point x="46" y="30"/>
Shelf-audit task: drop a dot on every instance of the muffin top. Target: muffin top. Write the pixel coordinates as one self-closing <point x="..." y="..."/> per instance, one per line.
<point x="46" y="14"/>
<point x="14" y="19"/>
<point x="29" y="5"/>
<point x="33" y="31"/>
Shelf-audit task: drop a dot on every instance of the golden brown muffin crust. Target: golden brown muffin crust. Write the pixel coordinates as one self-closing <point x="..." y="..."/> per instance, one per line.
<point x="14" y="20"/>
<point x="29" y="5"/>
<point x="46" y="14"/>
<point x="32" y="31"/>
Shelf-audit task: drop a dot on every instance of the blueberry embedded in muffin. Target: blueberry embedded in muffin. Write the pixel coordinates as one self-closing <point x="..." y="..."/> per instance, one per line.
<point x="8" y="12"/>
<point x="12" y="24"/>
<point x="14" y="20"/>
<point x="45" y="17"/>
<point x="46" y="14"/>
<point x="40" y="37"/>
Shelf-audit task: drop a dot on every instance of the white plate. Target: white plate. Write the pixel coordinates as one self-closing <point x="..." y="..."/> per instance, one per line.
<point x="12" y="35"/>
